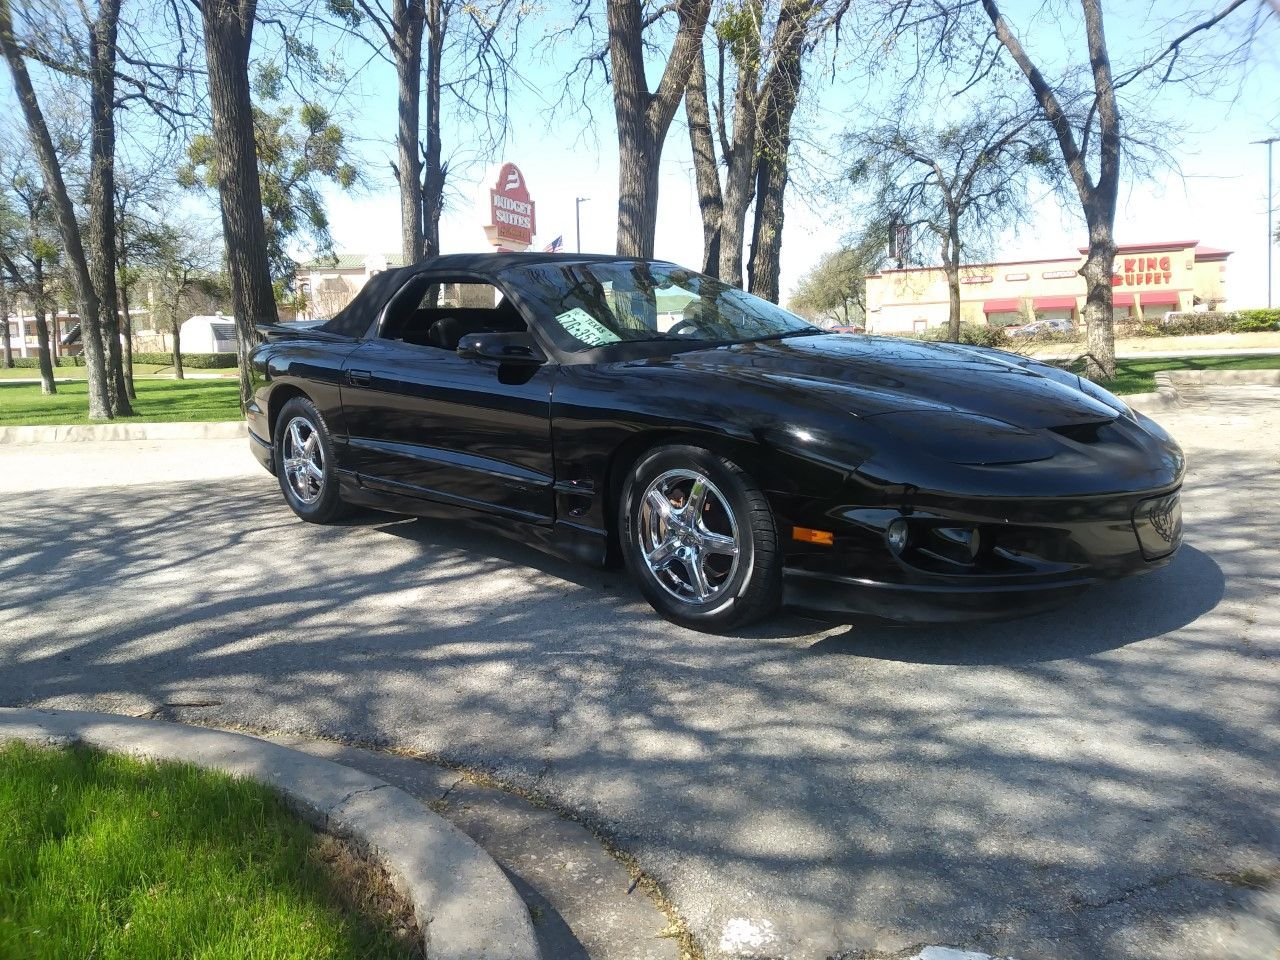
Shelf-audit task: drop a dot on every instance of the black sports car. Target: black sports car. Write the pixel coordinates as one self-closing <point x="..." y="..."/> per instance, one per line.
<point x="735" y="457"/>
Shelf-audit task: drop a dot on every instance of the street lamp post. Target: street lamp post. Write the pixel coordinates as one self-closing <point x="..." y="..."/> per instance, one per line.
<point x="1270" y="221"/>
<point x="577" y="217"/>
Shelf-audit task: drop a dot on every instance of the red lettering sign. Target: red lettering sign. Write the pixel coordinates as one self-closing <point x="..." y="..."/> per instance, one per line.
<point x="510" y="207"/>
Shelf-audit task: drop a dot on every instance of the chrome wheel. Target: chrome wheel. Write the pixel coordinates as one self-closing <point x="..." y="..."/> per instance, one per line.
<point x="688" y="536"/>
<point x="303" y="460"/>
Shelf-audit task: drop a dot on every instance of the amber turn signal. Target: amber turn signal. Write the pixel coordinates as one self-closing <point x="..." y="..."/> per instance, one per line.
<point x="824" y="538"/>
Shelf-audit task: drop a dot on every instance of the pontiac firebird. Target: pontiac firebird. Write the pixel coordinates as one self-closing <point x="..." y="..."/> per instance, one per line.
<point x="733" y="456"/>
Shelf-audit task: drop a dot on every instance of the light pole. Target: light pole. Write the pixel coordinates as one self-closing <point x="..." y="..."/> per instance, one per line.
<point x="577" y="217"/>
<point x="1270" y="222"/>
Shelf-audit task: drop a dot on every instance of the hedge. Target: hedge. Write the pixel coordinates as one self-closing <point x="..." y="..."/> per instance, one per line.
<point x="1191" y="324"/>
<point x="974" y="334"/>
<point x="195" y="361"/>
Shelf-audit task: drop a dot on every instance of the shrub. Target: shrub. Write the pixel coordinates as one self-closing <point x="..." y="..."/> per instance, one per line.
<point x="196" y="361"/>
<point x="1191" y="324"/>
<point x="974" y="334"/>
<point x="1256" y="321"/>
<point x="33" y="363"/>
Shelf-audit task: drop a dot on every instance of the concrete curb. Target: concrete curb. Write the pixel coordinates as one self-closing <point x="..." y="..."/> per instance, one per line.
<point x="1172" y="384"/>
<point x="464" y="903"/>
<point x="55" y="433"/>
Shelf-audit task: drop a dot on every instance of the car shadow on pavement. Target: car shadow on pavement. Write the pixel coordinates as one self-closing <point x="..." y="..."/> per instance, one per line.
<point x="1060" y="786"/>
<point x="1108" y="616"/>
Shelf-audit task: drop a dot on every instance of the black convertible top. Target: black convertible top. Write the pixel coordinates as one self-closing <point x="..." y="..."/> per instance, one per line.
<point x="355" y="319"/>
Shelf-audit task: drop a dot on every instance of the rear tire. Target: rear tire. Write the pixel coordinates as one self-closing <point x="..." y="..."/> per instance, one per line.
<point x="699" y="538"/>
<point x="305" y="463"/>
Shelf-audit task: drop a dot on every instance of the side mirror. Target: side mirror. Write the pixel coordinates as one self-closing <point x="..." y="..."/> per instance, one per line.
<point x="517" y="348"/>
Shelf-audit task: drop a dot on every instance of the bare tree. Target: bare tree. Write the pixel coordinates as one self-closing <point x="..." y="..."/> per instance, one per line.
<point x="644" y="117"/>
<point x="104" y="401"/>
<point x="1090" y="135"/>
<point x="779" y="95"/>
<point x="182" y="265"/>
<point x="962" y="182"/>
<point x="707" y="175"/>
<point x="27" y="254"/>
<point x="228" y="36"/>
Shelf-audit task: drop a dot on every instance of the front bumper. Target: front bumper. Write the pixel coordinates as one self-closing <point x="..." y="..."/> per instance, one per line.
<point x="1025" y="557"/>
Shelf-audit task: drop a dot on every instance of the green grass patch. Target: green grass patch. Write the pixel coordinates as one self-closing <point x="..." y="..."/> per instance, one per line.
<point x="111" y="857"/>
<point x="158" y="401"/>
<point x="1139" y="375"/>
<point x="68" y="372"/>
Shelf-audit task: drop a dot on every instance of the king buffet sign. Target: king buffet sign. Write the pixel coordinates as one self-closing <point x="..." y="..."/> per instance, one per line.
<point x="1142" y="272"/>
<point x="511" y="208"/>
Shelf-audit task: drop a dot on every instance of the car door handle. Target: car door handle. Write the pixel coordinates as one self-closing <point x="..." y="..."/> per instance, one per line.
<point x="359" y="378"/>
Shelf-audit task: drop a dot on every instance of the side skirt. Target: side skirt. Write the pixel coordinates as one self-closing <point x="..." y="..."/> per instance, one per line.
<point x="569" y="541"/>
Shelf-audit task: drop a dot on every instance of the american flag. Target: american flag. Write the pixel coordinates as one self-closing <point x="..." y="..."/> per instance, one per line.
<point x="555" y="245"/>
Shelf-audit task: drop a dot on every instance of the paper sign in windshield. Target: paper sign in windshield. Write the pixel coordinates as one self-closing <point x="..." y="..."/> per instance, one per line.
<point x="583" y="326"/>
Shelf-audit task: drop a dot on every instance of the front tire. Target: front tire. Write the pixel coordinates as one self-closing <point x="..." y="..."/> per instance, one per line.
<point x="305" y="462"/>
<point x="699" y="538"/>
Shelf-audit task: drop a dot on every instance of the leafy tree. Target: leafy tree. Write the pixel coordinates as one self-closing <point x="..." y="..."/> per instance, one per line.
<point x="89" y="252"/>
<point x="963" y="181"/>
<point x="836" y="288"/>
<point x="28" y="253"/>
<point x="184" y="265"/>
<point x="296" y="153"/>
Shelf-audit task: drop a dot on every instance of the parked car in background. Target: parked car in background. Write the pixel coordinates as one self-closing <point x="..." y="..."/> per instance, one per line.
<point x="846" y="330"/>
<point x="1039" y="327"/>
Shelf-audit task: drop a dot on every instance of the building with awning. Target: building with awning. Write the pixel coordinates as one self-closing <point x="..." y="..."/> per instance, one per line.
<point x="1150" y="280"/>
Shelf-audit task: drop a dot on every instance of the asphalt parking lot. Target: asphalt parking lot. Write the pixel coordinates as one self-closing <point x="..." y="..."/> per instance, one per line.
<point x="1101" y="782"/>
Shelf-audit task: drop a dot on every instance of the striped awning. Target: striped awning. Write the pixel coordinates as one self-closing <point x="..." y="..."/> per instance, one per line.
<point x="1156" y="298"/>
<point x="1122" y="300"/>
<point x="1007" y="305"/>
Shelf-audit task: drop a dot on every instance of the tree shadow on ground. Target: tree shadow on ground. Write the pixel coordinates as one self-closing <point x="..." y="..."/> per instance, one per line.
<point x="1067" y="785"/>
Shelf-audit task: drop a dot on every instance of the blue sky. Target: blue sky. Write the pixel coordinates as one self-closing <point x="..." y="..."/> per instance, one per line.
<point x="1215" y="195"/>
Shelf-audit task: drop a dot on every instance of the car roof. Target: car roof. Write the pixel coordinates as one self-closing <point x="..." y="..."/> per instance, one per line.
<point x="356" y="319"/>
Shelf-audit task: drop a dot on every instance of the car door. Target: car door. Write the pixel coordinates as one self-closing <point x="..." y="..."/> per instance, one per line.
<point x="425" y="422"/>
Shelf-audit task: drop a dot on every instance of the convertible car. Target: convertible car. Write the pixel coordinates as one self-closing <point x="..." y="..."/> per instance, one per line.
<point x="734" y="457"/>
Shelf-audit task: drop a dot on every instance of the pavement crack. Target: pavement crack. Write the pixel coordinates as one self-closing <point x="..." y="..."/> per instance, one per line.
<point x="453" y="786"/>
<point x="1128" y="893"/>
<point x="357" y="792"/>
<point x="175" y="704"/>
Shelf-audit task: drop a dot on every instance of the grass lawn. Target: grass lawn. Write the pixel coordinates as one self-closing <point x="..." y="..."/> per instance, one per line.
<point x="158" y="400"/>
<point x="78" y="373"/>
<point x="1139" y="376"/>
<point x="108" y="856"/>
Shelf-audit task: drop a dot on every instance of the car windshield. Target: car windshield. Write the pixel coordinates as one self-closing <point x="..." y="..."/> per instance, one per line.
<point x="601" y="303"/>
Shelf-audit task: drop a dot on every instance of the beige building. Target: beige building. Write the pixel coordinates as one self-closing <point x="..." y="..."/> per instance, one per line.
<point x="328" y="283"/>
<point x="1151" y="279"/>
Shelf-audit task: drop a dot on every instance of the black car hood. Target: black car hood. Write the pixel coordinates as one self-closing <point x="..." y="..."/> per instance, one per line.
<point x="873" y="376"/>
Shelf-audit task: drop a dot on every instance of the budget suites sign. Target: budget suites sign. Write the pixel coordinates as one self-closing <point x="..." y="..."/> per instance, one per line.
<point x="510" y="207"/>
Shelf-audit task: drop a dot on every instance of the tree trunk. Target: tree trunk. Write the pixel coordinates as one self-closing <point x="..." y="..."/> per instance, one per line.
<point x="6" y="338"/>
<point x="126" y="324"/>
<point x="739" y="179"/>
<point x="47" y="384"/>
<point x="1099" y="318"/>
<point x="643" y="119"/>
<point x="102" y="195"/>
<point x="710" y="201"/>
<point x="433" y="169"/>
<point x="779" y="96"/>
<point x="228" y="30"/>
<point x="407" y="20"/>
<point x="68" y="228"/>
<point x="178" y="373"/>
<point x="951" y="258"/>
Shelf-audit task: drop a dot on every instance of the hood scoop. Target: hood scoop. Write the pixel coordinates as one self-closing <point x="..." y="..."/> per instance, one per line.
<point x="1087" y="432"/>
